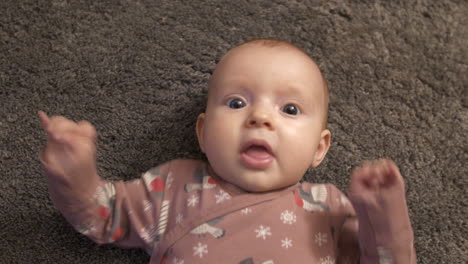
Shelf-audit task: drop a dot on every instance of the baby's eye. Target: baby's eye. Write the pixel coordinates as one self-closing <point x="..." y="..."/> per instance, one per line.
<point x="235" y="103"/>
<point x="291" y="109"/>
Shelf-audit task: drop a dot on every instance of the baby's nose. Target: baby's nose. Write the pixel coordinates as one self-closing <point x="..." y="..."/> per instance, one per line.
<point x="260" y="119"/>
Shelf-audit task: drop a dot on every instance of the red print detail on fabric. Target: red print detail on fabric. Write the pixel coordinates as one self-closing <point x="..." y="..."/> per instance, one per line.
<point x="103" y="212"/>
<point x="298" y="199"/>
<point x="118" y="233"/>
<point x="157" y="185"/>
<point x="211" y="181"/>
<point x="163" y="260"/>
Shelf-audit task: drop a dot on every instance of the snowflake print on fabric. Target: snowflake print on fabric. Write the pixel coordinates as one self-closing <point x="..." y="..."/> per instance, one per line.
<point x="286" y="243"/>
<point x="327" y="260"/>
<point x="193" y="200"/>
<point x="246" y="210"/>
<point x="320" y="239"/>
<point x="288" y="217"/>
<point x="179" y="218"/>
<point x="200" y="250"/>
<point x="222" y="196"/>
<point x="263" y="232"/>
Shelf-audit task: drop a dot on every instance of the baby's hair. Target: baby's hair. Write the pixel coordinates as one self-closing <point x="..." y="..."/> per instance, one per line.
<point x="273" y="43"/>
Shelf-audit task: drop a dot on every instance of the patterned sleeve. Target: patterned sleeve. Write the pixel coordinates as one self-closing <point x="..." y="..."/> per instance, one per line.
<point x="127" y="214"/>
<point x="345" y="225"/>
<point x="373" y="233"/>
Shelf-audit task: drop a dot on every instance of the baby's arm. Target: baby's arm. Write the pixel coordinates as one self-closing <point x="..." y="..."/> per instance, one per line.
<point x="377" y="193"/>
<point x="104" y="211"/>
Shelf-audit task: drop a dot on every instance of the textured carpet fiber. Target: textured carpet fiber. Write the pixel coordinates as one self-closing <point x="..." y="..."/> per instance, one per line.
<point x="138" y="70"/>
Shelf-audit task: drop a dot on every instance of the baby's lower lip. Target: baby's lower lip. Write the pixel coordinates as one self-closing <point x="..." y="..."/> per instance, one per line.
<point x="256" y="159"/>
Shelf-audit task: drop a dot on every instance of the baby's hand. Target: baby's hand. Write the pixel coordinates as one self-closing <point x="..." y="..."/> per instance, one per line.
<point x="71" y="147"/>
<point x="376" y="182"/>
<point x="377" y="193"/>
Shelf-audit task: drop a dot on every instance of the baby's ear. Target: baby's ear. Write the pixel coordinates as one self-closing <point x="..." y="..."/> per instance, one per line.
<point x="322" y="148"/>
<point x="200" y="130"/>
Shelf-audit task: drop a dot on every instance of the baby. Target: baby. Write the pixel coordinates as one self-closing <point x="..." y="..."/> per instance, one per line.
<point x="264" y="126"/>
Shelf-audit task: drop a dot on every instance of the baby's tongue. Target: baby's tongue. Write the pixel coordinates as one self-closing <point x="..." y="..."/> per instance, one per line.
<point x="257" y="152"/>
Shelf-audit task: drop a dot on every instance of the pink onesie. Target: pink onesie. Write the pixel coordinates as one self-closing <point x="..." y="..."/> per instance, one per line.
<point x="181" y="212"/>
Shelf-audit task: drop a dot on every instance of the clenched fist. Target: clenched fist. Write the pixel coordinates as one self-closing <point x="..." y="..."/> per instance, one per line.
<point x="376" y="180"/>
<point x="70" y="153"/>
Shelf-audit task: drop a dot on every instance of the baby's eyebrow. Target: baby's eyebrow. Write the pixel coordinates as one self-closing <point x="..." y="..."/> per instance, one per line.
<point x="293" y="89"/>
<point x="234" y="82"/>
<point x="223" y="88"/>
<point x="300" y="92"/>
<point x="237" y="85"/>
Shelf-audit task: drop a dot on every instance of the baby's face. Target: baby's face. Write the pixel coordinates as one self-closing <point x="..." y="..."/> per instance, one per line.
<point x="263" y="125"/>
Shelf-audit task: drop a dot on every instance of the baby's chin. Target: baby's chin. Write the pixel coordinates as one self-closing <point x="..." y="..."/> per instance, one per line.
<point x="259" y="187"/>
<point x="254" y="181"/>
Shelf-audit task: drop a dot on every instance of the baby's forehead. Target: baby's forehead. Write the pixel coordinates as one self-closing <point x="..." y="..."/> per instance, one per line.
<point x="284" y="47"/>
<point x="289" y="55"/>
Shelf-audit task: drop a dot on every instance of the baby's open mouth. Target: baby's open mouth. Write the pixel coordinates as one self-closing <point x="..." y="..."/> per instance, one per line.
<point x="257" y="154"/>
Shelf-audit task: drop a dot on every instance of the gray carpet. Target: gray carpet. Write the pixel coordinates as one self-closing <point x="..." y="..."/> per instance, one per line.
<point x="138" y="70"/>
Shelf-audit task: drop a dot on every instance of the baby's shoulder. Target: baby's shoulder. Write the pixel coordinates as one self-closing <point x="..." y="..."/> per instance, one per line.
<point x="181" y="169"/>
<point x="176" y="173"/>
<point x="327" y="189"/>
<point x="178" y="166"/>
<point x="187" y="163"/>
